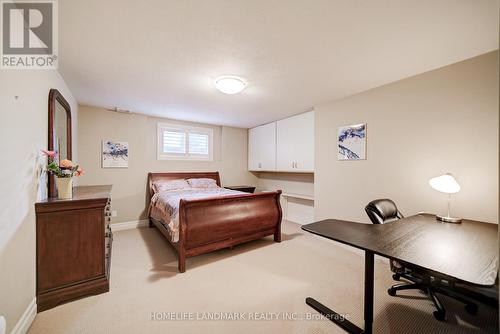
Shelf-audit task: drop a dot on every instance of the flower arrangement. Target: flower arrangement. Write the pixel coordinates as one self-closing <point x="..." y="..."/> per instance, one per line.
<point x="65" y="168"/>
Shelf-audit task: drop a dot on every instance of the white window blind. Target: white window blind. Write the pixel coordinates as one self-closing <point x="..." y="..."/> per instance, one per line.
<point x="198" y="143"/>
<point x="174" y="142"/>
<point x="181" y="142"/>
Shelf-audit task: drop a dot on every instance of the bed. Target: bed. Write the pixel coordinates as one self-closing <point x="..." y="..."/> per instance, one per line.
<point x="205" y="219"/>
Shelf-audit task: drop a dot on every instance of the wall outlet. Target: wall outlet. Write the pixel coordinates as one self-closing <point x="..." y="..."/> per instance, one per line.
<point x="3" y="325"/>
<point x="114" y="213"/>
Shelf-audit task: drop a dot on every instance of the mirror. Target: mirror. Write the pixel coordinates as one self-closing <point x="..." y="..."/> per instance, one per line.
<point x="59" y="132"/>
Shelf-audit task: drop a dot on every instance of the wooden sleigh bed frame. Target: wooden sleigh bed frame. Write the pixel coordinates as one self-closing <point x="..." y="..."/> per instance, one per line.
<point x="206" y="225"/>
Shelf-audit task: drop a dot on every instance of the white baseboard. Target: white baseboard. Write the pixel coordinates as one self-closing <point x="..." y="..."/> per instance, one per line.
<point x="26" y="320"/>
<point x="129" y="225"/>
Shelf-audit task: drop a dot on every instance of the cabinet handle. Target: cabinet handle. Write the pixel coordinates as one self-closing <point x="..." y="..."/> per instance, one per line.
<point x="260" y="165"/>
<point x="296" y="165"/>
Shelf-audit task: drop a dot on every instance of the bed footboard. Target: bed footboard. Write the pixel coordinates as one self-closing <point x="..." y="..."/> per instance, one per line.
<point x="206" y="225"/>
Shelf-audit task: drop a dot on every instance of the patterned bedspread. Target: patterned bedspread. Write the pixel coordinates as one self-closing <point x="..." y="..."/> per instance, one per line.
<point x="164" y="205"/>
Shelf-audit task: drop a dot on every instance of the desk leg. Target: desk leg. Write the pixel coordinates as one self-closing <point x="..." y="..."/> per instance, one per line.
<point x="369" y="272"/>
<point x="340" y="320"/>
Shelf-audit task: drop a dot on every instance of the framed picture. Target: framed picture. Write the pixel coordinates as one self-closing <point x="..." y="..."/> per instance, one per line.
<point x="352" y="142"/>
<point x="114" y="154"/>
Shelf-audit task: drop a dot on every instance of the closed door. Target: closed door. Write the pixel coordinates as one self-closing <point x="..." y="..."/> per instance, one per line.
<point x="262" y="147"/>
<point x="295" y="143"/>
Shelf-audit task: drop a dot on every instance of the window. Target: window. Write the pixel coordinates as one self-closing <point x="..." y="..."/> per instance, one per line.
<point x="181" y="142"/>
<point x="174" y="142"/>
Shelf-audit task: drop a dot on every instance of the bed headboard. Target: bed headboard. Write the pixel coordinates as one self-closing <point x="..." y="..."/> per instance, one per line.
<point x="183" y="175"/>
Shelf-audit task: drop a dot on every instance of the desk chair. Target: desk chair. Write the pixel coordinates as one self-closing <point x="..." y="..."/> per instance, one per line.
<point x="382" y="211"/>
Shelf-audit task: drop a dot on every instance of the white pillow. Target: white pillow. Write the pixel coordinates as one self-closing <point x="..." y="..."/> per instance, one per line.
<point x="162" y="185"/>
<point x="203" y="183"/>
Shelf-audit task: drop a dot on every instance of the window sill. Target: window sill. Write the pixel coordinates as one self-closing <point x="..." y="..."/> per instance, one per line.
<point x="173" y="158"/>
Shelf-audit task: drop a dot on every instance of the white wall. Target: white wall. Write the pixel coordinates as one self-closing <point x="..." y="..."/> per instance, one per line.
<point x="24" y="122"/>
<point x="441" y="121"/>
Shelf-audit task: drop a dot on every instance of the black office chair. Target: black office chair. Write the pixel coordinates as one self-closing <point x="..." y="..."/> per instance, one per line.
<point x="382" y="211"/>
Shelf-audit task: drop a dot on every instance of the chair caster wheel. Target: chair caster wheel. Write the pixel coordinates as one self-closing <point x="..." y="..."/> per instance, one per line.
<point x="391" y="292"/>
<point x="471" y="308"/>
<point x="439" y="315"/>
<point x="396" y="277"/>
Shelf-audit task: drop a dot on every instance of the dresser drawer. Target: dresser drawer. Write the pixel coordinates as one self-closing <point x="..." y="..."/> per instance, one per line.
<point x="70" y="246"/>
<point x="107" y="212"/>
<point x="108" y="249"/>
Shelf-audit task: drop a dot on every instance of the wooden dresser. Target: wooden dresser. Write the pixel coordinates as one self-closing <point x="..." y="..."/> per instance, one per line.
<point x="73" y="246"/>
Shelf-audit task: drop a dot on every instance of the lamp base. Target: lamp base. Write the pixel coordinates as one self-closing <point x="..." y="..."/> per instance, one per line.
<point x="447" y="219"/>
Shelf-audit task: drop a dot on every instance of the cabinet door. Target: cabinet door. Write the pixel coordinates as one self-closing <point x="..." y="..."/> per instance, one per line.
<point x="295" y="143"/>
<point x="262" y="147"/>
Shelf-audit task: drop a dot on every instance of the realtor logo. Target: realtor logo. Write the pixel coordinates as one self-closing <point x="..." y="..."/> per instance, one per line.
<point x="29" y="34"/>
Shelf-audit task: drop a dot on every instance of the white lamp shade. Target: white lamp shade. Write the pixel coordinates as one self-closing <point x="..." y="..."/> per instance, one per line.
<point x="230" y="84"/>
<point x="445" y="183"/>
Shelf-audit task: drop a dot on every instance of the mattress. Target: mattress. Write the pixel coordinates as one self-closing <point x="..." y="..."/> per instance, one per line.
<point x="164" y="205"/>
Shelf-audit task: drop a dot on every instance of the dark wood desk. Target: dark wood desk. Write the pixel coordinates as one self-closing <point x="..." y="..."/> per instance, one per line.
<point x="466" y="252"/>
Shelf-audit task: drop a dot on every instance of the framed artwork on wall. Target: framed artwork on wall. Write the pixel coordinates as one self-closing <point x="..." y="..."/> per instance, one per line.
<point x="114" y="154"/>
<point x="352" y="142"/>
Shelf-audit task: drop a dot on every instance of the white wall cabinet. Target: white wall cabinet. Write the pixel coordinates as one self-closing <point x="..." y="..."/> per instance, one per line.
<point x="262" y="148"/>
<point x="283" y="146"/>
<point x="295" y="143"/>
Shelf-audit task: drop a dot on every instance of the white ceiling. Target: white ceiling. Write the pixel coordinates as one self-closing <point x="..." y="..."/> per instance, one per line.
<point x="160" y="57"/>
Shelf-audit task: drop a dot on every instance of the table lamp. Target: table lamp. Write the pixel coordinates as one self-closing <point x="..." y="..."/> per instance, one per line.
<point x="446" y="184"/>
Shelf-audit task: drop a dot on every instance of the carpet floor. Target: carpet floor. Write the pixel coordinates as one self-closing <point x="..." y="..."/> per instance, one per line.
<point x="257" y="287"/>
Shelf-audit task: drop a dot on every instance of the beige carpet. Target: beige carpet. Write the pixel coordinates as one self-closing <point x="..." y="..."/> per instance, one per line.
<point x="252" y="279"/>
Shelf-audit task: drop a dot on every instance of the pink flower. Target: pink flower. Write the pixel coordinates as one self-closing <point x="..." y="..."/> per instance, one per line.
<point x="66" y="163"/>
<point x="49" y="153"/>
<point x="79" y="172"/>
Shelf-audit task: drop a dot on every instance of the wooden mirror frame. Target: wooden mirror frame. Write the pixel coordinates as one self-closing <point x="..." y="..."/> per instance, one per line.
<point x="56" y="96"/>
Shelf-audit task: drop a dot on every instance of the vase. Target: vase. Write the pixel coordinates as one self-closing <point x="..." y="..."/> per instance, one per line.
<point x="64" y="187"/>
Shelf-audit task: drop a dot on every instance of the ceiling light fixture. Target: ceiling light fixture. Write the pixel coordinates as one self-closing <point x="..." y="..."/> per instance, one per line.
<point x="230" y="84"/>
